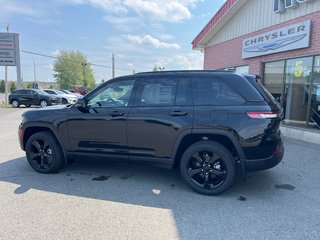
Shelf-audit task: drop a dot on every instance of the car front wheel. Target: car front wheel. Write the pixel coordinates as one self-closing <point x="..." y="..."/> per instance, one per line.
<point x="44" y="153"/>
<point x="208" y="168"/>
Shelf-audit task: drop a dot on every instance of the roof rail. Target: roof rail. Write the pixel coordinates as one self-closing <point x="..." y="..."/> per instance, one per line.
<point x="185" y="71"/>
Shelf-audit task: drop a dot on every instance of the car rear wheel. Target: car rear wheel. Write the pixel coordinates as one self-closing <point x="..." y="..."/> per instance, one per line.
<point x="43" y="103"/>
<point x="15" y="103"/>
<point x="44" y="153"/>
<point x="208" y="168"/>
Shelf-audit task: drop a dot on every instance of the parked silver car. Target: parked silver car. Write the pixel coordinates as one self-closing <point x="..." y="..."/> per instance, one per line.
<point x="66" y="98"/>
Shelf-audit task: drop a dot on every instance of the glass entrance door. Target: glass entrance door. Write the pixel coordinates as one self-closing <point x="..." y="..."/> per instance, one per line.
<point x="296" y="88"/>
<point x="273" y="79"/>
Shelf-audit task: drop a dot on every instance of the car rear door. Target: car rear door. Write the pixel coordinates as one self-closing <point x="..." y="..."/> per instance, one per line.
<point x="161" y="113"/>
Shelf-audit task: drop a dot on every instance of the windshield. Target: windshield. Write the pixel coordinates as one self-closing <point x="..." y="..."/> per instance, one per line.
<point x="41" y="92"/>
<point x="59" y="92"/>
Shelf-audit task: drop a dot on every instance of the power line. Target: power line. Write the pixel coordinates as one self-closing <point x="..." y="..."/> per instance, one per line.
<point x="92" y="64"/>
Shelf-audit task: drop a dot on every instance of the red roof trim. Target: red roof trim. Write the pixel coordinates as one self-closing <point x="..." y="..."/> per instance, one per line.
<point x="222" y="11"/>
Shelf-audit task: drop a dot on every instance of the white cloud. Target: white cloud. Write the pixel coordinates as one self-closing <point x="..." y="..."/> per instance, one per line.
<point x="191" y="61"/>
<point x="56" y="53"/>
<point x="124" y="23"/>
<point x="165" y="10"/>
<point x="115" y="6"/>
<point x="13" y="8"/>
<point x="147" y="39"/>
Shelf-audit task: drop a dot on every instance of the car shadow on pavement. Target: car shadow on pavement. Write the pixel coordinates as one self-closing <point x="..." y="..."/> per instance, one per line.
<point x="145" y="186"/>
<point x="127" y="183"/>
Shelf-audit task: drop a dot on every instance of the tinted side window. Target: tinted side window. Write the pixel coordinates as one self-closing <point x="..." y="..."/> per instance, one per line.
<point x="114" y="94"/>
<point x="184" y="93"/>
<point x="50" y="92"/>
<point x="214" y="92"/>
<point x="157" y="92"/>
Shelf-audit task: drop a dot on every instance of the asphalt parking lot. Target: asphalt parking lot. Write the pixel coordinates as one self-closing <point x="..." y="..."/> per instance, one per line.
<point x="104" y="200"/>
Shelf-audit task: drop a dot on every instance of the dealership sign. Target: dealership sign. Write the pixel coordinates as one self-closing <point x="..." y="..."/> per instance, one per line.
<point x="284" y="39"/>
<point x="280" y="6"/>
<point x="9" y="47"/>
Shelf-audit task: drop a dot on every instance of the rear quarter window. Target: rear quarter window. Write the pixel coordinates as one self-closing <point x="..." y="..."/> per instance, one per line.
<point x="215" y="92"/>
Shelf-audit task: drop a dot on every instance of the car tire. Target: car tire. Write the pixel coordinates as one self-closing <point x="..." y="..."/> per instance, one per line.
<point x="208" y="167"/>
<point x="44" y="153"/>
<point x="43" y="103"/>
<point x="28" y="105"/>
<point x="15" y="103"/>
<point x="64" y="101"/>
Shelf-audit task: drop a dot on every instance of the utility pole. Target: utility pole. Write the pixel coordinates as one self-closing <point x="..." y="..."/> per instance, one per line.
<point x="113" y="75"/>
<point x="34" y="71"/>
<point x="84" y="73"/>
<point x="6" y="77"/>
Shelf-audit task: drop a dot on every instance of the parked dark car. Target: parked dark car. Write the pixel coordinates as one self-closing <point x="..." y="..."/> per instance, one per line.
<point x="204" y="122"/>
<point x="30" y="97"/>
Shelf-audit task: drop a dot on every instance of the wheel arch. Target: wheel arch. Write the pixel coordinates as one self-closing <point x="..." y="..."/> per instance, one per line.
<point x="32" y="129"/>
<point x="226" y="138"/>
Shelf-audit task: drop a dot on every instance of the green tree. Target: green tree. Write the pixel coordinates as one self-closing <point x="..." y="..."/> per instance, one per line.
<point x="2" y="86"/>
<point x="29" y="85"/>
<point x="72" y="70"/>
<point x="13" y="87"/>
<point x="156" y="68"/>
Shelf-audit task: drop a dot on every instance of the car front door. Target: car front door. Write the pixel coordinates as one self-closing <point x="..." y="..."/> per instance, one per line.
<point x="26" y="97"/>
<point x="161" y="113"/>
<point x="100" y="126"/>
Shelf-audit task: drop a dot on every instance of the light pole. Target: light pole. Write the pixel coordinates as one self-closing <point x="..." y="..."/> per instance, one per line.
<point x="34" y="71"/>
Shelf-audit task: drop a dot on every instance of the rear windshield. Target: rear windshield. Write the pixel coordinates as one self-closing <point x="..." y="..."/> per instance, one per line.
<point x="256" y="82"/>
<point x="267" y="92"/>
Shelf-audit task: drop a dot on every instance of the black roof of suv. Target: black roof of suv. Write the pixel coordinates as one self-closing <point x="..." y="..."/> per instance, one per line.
<point x="204" y="122"/>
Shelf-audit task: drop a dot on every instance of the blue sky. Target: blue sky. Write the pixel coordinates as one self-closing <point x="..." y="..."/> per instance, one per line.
<point x="141" y="33"/>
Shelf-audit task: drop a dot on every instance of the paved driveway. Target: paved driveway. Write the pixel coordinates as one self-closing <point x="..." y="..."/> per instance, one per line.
<point x="103" y="200"/>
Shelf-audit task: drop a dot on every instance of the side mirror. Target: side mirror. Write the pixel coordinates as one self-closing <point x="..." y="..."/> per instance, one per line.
<point x="81" y="103"/>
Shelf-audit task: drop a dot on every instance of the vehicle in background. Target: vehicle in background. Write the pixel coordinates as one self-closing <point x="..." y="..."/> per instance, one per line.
<point x="30" y="97"/>
<point x="78" y="95"/>
<point x="66" y="98"/>
<point x="82" y="91"/>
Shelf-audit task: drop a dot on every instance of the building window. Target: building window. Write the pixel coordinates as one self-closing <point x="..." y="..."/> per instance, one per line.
<point x="297" y="80"/>
<point x="273" y="78"/>
<point x="315" y="95"/>
<point x="295" y="83"/>
<point x="242" y="69"/>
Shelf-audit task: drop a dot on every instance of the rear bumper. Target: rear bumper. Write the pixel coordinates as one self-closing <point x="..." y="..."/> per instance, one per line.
<point x="263" y="164"/>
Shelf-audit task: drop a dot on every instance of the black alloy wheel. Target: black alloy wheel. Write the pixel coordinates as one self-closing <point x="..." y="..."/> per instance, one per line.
<point x="44" y="153"/>
<point x="208" y="167"/>
<point x="64" y="101"/>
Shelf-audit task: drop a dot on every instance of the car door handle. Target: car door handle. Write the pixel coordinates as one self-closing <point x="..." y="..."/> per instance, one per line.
<point x="116" y="114"/>
<point x="178" y="113"/>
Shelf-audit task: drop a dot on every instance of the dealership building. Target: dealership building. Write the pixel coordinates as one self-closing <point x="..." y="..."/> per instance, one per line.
<point x="276" y="39"/>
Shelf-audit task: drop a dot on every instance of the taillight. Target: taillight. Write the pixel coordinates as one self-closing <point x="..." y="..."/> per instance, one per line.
<point x="264" y="115"/>
<point x="20" y="132"/>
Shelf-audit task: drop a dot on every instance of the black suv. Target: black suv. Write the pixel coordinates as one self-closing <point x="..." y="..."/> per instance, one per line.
<point x="204" y="122"/>
<point x="30" y="97"/>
